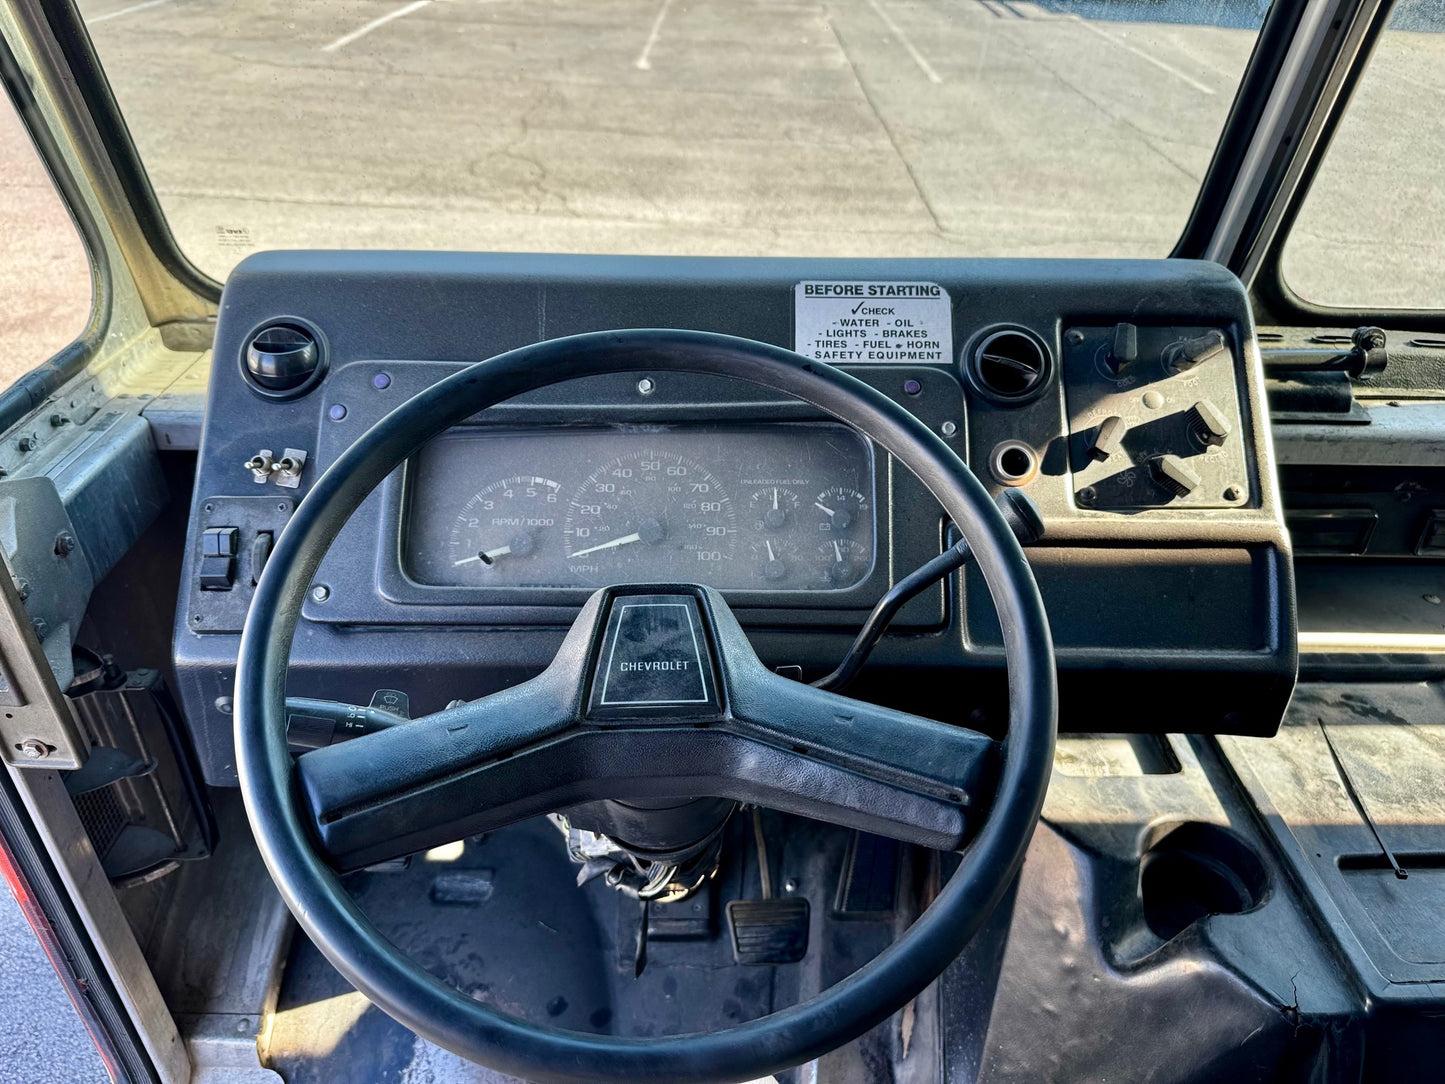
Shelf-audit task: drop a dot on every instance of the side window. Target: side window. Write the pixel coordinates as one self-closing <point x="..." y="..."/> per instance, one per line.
<point x="1371" y="233"/>
<point x="45" y="287"/>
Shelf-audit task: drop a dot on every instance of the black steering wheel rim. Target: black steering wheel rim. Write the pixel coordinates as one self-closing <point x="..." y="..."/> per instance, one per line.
<point x="782" y="1039"/>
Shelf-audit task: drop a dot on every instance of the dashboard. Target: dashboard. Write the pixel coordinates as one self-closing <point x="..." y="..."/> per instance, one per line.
<point x="1125" y="398"/>
<point x="783" y="508"/>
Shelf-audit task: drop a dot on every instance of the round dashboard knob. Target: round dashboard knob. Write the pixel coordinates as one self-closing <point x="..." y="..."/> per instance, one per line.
<point x="282" y="359"/>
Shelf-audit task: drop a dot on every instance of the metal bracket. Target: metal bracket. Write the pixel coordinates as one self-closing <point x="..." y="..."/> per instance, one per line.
<point x="38" y="728"/>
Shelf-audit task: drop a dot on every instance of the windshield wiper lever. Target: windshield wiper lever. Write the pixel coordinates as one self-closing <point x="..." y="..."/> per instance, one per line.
<point x="1024" y="520"/>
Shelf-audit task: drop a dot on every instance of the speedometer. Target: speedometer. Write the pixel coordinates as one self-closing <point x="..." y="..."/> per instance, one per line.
<point x="650" y="515"/>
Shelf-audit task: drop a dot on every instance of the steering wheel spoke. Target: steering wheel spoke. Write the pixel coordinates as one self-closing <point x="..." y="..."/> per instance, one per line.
<point x="459" y="772"/>
<point x="655" y="694"/>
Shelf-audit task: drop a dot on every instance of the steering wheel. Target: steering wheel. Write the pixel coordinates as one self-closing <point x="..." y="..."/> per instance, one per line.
<point x="688" y="711"/>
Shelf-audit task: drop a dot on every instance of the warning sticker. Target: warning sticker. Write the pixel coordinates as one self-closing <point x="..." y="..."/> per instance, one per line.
<point x="873" y="322"/>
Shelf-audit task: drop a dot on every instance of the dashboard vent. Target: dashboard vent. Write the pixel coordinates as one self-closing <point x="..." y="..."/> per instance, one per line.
<point x="1009" y="365"/>
<point x="282" y="360"/>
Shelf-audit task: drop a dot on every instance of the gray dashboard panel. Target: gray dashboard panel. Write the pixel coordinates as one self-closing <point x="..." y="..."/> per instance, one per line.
<point x="411" y="313"/>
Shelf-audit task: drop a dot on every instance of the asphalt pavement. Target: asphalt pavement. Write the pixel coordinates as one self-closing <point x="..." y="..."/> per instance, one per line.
<point x="42" y="1040"/>
<point x="746" y="127"/>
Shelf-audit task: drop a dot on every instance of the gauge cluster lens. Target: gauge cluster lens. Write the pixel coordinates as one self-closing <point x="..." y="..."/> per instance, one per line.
<point x="740" y="508"/>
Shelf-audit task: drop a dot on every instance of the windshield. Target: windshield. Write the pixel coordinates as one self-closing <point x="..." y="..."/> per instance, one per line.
<point x="751" y="127"/>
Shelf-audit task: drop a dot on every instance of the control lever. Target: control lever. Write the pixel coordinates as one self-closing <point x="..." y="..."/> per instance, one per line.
<point x="1367" y="356"/>
<point x="1023" y="518"/>
<point x="315" y="724"/>
<point x="1123" y="350"/>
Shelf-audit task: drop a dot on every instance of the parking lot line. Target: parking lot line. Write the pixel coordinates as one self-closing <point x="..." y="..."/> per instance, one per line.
<point x="923" y="65"/>
<point x="126" y="11"/>
<point x="644" y="61"/>
<point x="1142" y="55"/>
<point x="362" y="31"/>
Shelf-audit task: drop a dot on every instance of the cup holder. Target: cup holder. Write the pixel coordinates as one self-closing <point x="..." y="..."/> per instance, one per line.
<point x="1193" y="870"/>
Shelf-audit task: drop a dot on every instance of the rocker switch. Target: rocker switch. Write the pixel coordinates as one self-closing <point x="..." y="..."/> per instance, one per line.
<point x="218" y="558"/>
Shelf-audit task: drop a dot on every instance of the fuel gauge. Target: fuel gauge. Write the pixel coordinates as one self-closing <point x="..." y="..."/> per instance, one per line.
<point x="773" y="507"/>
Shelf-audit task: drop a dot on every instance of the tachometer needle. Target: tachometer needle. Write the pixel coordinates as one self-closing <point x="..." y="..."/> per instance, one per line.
<point x="486" y="556"/>
<point x="624" y="540"/>
<point x="824" y="509"/>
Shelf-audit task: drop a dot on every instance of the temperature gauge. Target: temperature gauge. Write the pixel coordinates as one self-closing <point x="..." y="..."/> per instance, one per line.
<point x="843" y="560"/>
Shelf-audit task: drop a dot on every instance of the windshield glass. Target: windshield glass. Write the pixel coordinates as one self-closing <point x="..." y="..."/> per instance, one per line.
<point x="1371" y="233"/>
<point x="751" y="127"/>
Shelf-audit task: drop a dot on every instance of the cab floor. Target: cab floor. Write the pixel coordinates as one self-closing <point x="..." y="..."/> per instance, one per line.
<point x="503" y="920"/>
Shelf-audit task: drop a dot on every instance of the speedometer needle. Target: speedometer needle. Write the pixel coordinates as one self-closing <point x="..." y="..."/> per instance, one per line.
<point x="624" y="540"/>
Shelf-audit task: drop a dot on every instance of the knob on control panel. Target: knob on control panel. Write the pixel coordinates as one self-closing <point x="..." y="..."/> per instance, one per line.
<point x="1124" y="350"/>
<point x="1173" y="474"/>
<point x="1155" y="418"/>
<point x="1198" y="350"/>
<point x="1109" y="439"/>
<point x="1208" y="424"/>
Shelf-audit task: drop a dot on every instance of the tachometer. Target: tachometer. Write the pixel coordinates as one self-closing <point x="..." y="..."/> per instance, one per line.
<point x="650" y="515"/>
<point x="503" y="524"/>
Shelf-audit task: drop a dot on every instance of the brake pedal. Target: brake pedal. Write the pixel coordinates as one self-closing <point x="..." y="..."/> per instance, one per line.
<point x="769" y="931"/>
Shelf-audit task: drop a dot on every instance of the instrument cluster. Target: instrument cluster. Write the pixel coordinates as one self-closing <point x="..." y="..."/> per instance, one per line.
<point x="776" y="508"/>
